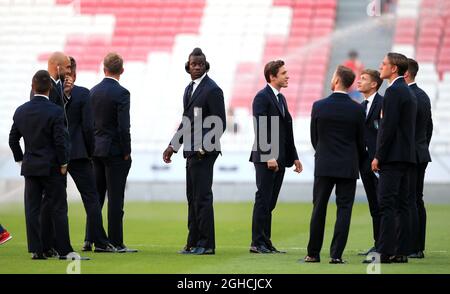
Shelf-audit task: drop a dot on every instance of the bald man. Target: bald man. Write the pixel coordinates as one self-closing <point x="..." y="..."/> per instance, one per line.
<point x="58" y="66"/>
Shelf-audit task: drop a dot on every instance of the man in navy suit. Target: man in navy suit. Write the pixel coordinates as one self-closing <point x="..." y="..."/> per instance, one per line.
<point x="368" y="85"/>
<point x="393" y="159"/>
<point x="203" y="108"/>
<point x="44" y="164"/>
<point x="59" y="67"/>
<point x="273" y="151"/>
<point x="424" y="131"/>
<point x="79" y="117"/>
<point x="337" y="135"/>
<point x="112" y="153"/>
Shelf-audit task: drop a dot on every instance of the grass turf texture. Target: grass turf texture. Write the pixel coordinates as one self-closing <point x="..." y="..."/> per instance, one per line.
<point x="158" y="230"/>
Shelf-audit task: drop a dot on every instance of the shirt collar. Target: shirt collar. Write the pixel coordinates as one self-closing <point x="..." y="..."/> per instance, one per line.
<point x="56" y="81"/>
<point x="199" y="80"/>
<point x="340" y="92"/>
<point x="395" y="80"/>
<point x="413" y="83"/>
<point x="112" y="79"/>
<point x="275" y="91"/>
<point x="40" y="95"/>
<point x="371" y="97"/>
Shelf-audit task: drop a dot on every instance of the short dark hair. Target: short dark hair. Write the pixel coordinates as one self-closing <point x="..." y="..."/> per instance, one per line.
<point x="346" y="75"/>
<point x="113" y="63"/>
<point x="41" y="82"/>
<point x="73" y="64"/>
<point x="272" y="68"/>
<point x="413" y="67"/>
<point x="374" y="76"/>
<point x="197" y="52"/>
<point x="398" y="60"/>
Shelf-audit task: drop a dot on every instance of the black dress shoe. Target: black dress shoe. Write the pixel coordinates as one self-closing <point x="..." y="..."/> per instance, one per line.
<point x="275" y="250"/>
<point x="108" y="248"/>
<point x="51" y="253"/>
<point x="367" y="252"/>
<point x="124" y="249"/>
<point x="310" y="259"/>
<point x="419" y="255"/>
<point x="185" y="250"/>
<point x="38" y="256"/>
<point x="337" y="261"/>
<point x="260" y="249"/>
<point x="87" y="246"/>
<point x="399" y="259"/>
<point x="202" y="251"/>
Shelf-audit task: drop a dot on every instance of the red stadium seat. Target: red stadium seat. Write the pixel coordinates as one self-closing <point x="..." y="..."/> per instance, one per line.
<point x="141" y="26"/>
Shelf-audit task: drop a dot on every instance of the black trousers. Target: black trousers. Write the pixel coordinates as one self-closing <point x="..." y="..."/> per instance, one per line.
<point x="111" y="176"/>
<point x="370" y="183"/>
<point x="199" y="179"/>
<point x="268" y="184"/>
<point x="345" y="195"/>
<point x="393" y="200"/>
<point x="82" y="173"/>
<point x="55" y="201"/>
<point x="421" y="211"/>
<point x="413" y="212"/>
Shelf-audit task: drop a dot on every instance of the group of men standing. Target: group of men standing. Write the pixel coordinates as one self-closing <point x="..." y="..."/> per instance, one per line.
<point x="67" y="128"/>
<point x="398" y="130"/>
<point x="87" y="133"/>
<point x="384" y="140"/>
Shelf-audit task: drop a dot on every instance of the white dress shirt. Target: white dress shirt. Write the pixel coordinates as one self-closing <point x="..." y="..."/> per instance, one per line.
<point x="40" y="95"/>
<point x="275" y="91"/>
<point x="56" y="81"/>
<point x="112" y="79"/>
<point x="197" y="82"/>
<point x="370" y="100"/>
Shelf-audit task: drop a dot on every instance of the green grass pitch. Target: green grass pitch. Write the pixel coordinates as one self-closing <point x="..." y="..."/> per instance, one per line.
<point x="158" y="230"/>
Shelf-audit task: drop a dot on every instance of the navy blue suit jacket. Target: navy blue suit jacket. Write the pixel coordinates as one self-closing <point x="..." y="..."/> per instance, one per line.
<point x="81" y="124"/>
<point x="372" y="125"/>
<point x="41" y="124"/>
<point x="111" y="109"/>
<point x="207" y="98"/>
<point x="337" y="135"/>
<point x="265" y="105"/>
<point x="424" y="124"/>
<point x="396" y="136"/>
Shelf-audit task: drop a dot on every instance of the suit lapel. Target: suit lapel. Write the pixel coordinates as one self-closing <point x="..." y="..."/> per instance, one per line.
<point x="275" y="100"/>
<point x="372" y="107"/>
<point x="197" y="92"/>
<point x="73" y="96"/>
<point x="185" y="98"/>
<point x="56" y="87"/>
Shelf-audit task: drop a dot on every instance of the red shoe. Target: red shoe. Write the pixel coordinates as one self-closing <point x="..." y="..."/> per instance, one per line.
<point x="4" y="237"/>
